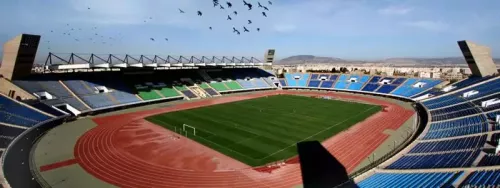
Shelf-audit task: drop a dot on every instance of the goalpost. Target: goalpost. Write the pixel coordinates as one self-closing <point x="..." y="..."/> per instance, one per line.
<point x="188" y="126"/>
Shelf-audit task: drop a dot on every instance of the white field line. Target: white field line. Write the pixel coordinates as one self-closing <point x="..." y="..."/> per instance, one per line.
<point x="327" y="128"/>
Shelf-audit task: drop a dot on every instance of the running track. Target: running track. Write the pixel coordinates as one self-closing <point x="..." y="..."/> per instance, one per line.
<point x="127" y="151"/>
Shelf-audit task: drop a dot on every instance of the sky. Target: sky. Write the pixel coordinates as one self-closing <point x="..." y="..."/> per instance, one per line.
<point x="349" y="29"/>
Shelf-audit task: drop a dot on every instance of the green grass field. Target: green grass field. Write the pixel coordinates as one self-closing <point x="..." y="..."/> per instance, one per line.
<point x="263" y="130"/>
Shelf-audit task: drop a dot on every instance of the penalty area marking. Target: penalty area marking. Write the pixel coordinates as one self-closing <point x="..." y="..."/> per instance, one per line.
<point x="243" y="155"/>
<point x="327" y="128"/>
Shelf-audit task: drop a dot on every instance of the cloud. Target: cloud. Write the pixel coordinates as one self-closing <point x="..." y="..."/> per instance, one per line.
<point x="428" y="25"/>
<point x="395" y="10"/>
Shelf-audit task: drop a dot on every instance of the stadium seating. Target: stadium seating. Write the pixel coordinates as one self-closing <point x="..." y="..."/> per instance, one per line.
<point x="62" y="95"/>
<point x="12" y="112"/>
<point x="208" y="89"/>
<point x="478" y="102"/>
<point x="490" y="160"/>
<point x="5" y="141"/>
<point x="283" y="83"/>
<point x="409" y="179"/>
<point x="463" y="109"/>
<point x="456" y="123"/>
<point x="469" y="81"/>
<point x="372" y="85"/>
<point x="232" y="85"/>
<point x="444" y="133"/>
<point x="341" y="82"/>
<point x="488" y="178"/>
<point x="450" y="145"/>
<point x="219" y="86"/>
<point x="441" y="160"/>
<point x="10" y="131"/>
<point x="359" y="83"/>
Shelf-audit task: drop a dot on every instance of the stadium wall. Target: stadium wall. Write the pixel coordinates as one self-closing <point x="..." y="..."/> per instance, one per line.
<point x="16" y="158"/>
<point x="7" y="87"/>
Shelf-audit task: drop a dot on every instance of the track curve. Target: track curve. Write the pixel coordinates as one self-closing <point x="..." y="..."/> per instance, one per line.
<point x="127" y="151"/>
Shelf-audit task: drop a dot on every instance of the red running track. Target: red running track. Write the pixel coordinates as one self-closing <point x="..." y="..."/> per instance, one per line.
<point x="127" y="151"/>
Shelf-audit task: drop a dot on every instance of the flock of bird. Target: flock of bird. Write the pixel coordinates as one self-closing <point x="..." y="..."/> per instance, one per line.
<point x="100" y="38"/>
<point x="230" y="5"/>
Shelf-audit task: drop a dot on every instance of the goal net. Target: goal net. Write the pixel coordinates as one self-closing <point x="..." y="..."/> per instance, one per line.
<point x="188" y="129"/>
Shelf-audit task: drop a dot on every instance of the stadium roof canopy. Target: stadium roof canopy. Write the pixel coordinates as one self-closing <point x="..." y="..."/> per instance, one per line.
<point x="88" y="61"/>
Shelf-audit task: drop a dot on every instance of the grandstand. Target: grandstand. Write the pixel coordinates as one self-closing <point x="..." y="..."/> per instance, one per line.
<point x="455" y="146"/>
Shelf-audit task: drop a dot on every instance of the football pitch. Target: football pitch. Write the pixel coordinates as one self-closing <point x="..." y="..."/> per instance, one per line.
<point x="263" y="130"/>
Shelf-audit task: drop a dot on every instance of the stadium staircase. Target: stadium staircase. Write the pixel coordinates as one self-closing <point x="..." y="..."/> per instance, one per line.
<point x="211" y="91"/>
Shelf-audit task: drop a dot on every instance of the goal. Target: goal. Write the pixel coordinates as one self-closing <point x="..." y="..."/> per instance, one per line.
<point x="189" y="127"/>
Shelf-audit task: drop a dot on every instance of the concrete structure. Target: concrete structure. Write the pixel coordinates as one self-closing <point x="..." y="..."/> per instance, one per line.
<point x="478" y="58"/>
<point x="269" y="56"/>
<point x="19" y="55"/>
<point x="424" y="74"/>
<point x="436" y="75"/>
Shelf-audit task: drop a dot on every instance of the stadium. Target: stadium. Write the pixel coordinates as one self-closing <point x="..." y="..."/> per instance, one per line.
<point x="153" y="121"/>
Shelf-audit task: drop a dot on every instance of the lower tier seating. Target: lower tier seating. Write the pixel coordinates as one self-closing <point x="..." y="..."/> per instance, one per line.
<point x="219" y="86"/>
<point x="233" y="85"/>
<point x="443" y="133"/>
<point x="10" y="131"/>
<point x="408" y="179"/>
<point x="13" y="112"/>
<point x="189" y="94"/>
<point x="450" y="145"/>
<point x="489" y="160"/>
<point x="211" y="91"/>
<point x="445" y="160"/>
<point x="489" y="178"/>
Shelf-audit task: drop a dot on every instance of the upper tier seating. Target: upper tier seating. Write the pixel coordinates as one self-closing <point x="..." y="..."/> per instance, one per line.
<point x="41" y="84"/>
<point x="492" y="86"/>
<point x="408" y="179"/>
<point x="469" y="81"/>
<point x="13" y="112"/>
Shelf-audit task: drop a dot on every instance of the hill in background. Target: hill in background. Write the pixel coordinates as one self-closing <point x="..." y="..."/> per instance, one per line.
<point x="300" y="59"/>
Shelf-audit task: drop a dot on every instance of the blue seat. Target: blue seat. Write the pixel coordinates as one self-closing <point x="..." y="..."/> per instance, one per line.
<point x="383" y="179"/>
<point x="359" y="84"/>
<point x="211" y="91"/>
<point x="283" y="83"/>
<point x="341" y="82"/>
<point x="450" y="145"/>
<point x="489" y="178"/>
<point x="189" y="94"/>
<point x="13" y="112"/>
<point x="445" y="160"/>
<point x="313" y="83"/>
<point x="327" y="84"/>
